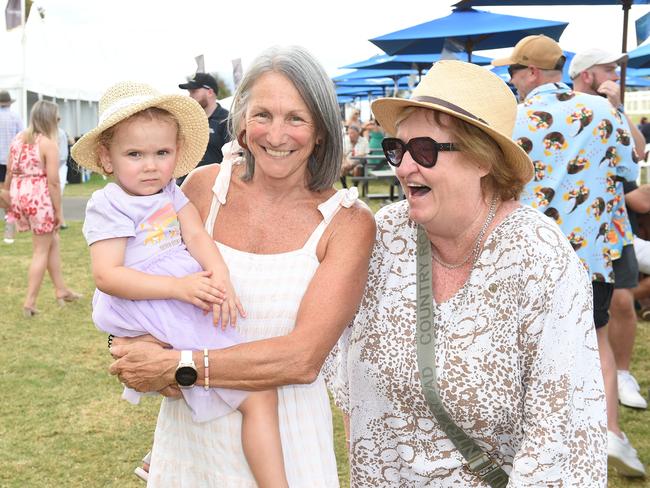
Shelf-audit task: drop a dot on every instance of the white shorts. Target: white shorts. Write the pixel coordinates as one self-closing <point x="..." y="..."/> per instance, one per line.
<point x="642" y="251"/>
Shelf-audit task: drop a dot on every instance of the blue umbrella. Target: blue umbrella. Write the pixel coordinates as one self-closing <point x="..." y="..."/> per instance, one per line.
<point x="639" y="72"/>
<point x="375" y="82"/>
<point x="359" y="90"/>
<point x="374" y="73"/>
<point x="509" y="3"/>
<point x="473" y="29"/>
<point x="640" y="57"/>
<point x="367" y="74"/>
<point x="409" y="61"/>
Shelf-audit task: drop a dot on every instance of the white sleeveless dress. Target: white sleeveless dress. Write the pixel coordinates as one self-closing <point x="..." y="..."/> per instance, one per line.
<point x="271" y="286"/>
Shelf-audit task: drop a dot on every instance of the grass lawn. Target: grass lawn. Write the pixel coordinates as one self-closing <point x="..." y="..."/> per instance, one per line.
<point x="86" y="189"/>
<point x="62" y="422"/>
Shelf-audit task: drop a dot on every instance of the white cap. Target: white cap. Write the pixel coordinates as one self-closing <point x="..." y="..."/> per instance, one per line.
<point x="591" y="57"/>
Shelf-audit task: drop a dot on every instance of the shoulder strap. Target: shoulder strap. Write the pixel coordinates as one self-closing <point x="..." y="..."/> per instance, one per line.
<point x="221" y="184"/>
<point x="328" y="209"/>
<point x="480" y="463"/>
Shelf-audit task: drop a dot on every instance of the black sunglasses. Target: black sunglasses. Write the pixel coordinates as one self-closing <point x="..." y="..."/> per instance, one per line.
<point x="513" y="68"/>
<point x="423" y="150"/>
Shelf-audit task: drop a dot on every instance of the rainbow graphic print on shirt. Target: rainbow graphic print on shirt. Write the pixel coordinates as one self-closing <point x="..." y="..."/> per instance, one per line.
<point x="161" y="225"/>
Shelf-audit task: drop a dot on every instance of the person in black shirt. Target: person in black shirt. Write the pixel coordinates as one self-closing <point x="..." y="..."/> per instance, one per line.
<point x="203" y="88"/>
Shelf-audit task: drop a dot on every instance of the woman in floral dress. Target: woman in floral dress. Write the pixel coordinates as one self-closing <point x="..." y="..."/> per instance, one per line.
<point x="34" y="188"/>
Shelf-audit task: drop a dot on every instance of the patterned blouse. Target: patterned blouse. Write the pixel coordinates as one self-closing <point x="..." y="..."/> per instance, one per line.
<point x="517" y="361"/>
<point x="580" y="146"/>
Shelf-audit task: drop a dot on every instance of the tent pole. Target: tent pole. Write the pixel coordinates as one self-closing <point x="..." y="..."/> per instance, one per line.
<point x="23" y="88"/>
<point x="626" y="13"/>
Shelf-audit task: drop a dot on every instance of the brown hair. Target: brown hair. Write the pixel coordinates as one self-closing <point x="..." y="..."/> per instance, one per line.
<point x="149" y="114"/>
<point x="43" y="119"/>
<point x="479" y="147"/>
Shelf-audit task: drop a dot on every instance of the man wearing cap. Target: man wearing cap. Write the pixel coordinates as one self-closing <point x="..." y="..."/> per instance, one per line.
<point x="580" y="146"/>
<point x="203" y="88"/>
<point x="594" y="72"/>
<point x="10" y="125"/>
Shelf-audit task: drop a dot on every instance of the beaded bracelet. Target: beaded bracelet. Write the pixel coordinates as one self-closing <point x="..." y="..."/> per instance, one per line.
<point x="110" y="340"/>
<point x="206" y="372"/>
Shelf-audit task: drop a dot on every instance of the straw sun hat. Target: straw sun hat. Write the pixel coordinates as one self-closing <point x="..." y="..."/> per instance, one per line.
<point x="470" y="93"/>
<point x="127" y="98"/>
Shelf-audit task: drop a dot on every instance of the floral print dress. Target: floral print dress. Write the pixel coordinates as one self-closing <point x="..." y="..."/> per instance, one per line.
<point x="31" y="205"/>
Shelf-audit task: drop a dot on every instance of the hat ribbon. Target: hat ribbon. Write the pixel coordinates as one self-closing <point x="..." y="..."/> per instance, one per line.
<point x="450" y="106"/>
<point x="123" y="103"/>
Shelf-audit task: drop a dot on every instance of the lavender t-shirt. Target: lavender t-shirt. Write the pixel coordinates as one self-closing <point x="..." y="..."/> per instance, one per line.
<point x="150" y="222"/>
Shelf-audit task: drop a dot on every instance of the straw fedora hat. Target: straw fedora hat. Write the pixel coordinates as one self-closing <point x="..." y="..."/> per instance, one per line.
<point x="127" y="98"/>
<point x="470" y="93"/>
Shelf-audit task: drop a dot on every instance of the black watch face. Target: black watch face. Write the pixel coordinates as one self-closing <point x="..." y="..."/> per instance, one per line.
<point x="186" y="376"/>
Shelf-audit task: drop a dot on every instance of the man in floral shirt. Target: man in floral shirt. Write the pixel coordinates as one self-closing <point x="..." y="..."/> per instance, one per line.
<point x="594" y="71"/>
<point x="580" y="146"/>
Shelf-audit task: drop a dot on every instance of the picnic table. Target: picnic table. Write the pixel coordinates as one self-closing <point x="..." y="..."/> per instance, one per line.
<point x="374" y="168"/>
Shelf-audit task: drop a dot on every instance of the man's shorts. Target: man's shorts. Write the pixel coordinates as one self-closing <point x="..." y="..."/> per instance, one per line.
<point x="602" y="299"/>
<point x="642" y="251"/>
<point x="626" y="269"/>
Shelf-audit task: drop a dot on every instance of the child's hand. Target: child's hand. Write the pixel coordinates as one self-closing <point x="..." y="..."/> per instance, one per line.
<point x="228" y="309"/>
<point x="199" y="290"/>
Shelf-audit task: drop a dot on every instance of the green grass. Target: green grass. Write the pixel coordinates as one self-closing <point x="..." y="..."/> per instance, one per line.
<point x="62" y="422"/>
<point x="86" y="189"/>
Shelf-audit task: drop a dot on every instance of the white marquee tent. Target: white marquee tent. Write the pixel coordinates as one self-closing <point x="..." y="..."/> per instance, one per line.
<point x="77" y="50"/>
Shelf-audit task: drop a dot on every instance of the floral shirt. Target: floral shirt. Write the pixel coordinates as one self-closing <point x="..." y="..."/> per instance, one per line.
<point x="516" y="355"/>
<point x="580" y="147"/>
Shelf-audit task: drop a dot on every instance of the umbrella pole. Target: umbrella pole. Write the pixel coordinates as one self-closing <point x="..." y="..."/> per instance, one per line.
<point x="626" y="13"/>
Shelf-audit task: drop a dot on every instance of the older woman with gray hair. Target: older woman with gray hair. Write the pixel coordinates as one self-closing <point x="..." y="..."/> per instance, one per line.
<point x="298" y="254"/>
<point x="473" y="358"/>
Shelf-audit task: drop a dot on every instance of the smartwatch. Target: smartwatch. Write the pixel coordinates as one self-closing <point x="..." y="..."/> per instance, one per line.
<point x="186" y="373"/>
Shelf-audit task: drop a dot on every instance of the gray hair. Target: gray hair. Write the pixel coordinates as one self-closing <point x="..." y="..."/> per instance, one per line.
<point x="316" y="90"/>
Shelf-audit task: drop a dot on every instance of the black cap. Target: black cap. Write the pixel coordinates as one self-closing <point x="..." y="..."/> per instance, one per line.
<point x="201" y="80"/>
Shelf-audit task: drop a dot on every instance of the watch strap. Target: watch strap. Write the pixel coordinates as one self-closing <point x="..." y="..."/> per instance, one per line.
<point x="186" y="359"/>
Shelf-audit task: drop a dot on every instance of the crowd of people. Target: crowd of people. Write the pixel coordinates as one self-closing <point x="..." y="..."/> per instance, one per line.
<point x="477" y="333"/>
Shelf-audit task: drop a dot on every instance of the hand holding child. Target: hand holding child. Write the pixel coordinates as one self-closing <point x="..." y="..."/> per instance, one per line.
<point x="199" y="290"/>
<point x="230" y="306"/>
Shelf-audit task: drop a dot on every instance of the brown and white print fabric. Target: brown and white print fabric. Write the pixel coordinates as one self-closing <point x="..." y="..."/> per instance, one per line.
<point x="517" y="361"/>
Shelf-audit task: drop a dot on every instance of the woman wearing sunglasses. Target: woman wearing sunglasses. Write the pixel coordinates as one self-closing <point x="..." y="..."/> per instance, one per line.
<point x="473" y="359"/>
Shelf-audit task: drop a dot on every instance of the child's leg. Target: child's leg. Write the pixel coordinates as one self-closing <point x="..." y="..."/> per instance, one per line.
<point x="261" y="438"/>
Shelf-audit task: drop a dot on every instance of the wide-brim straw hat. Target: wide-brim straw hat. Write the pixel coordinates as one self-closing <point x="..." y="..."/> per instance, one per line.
<point x="470" y="93"/>
<point x="123" y="100"/>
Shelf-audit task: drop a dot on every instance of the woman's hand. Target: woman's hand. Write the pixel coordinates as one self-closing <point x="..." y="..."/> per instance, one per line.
<point x="144" y="365"/>
<point x="231" y="306"/>
<point x="199" y="290"/>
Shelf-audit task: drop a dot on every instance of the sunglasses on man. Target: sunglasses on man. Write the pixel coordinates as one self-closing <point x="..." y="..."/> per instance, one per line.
<point x="513" y="68"/>
<point x="423" y="150"/>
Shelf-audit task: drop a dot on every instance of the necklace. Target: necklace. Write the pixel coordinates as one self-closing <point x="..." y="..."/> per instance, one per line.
<point x="476" y="248"/>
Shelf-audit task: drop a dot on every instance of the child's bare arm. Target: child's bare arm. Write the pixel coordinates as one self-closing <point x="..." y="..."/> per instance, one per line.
<point x="112" y="277"/>
<point x="205" y="251"/>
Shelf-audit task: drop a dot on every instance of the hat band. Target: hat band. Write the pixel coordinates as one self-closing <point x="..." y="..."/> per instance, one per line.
<point x="450" y="106"/>
<point x="122" y="104"/>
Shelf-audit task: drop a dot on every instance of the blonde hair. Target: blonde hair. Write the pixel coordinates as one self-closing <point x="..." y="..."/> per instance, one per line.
<point x="43" y="119"/>
<point x="148" y="114"/>
<point x="479" y="147"/>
